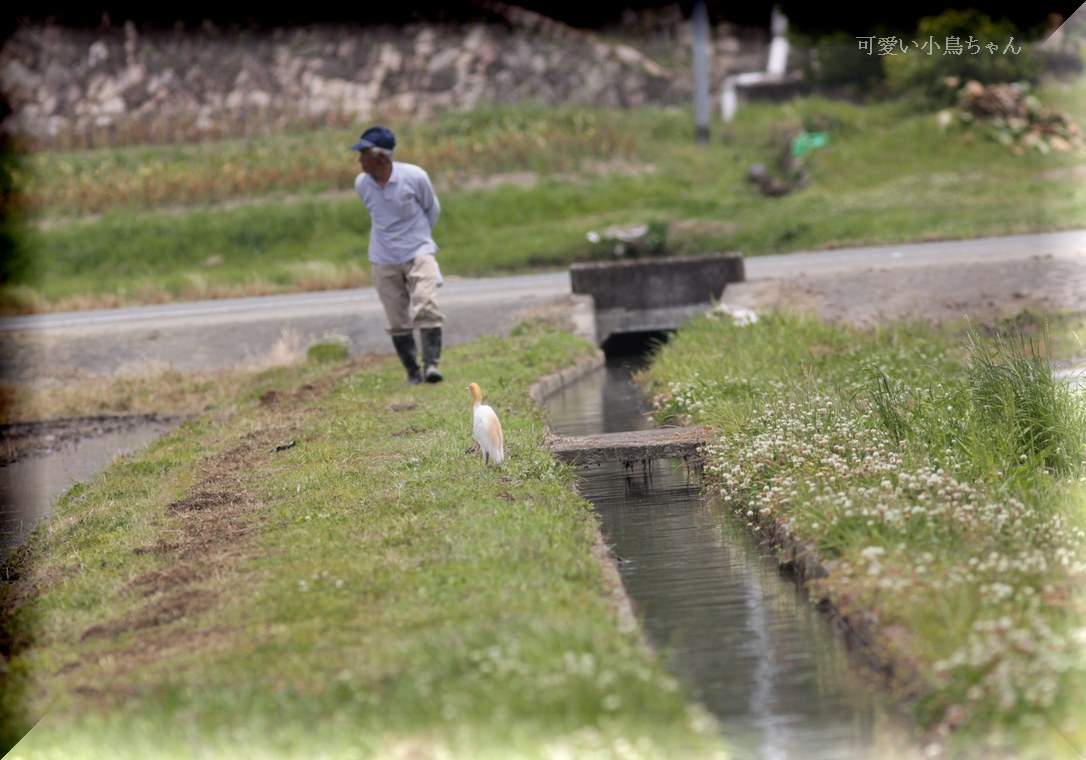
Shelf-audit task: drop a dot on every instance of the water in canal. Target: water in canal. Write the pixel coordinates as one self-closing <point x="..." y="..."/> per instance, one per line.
<point x="30" y="487"/>
<point x="729" y="623"/>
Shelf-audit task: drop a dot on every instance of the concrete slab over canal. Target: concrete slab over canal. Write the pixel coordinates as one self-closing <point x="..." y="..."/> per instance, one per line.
<point x="630" y="446"/>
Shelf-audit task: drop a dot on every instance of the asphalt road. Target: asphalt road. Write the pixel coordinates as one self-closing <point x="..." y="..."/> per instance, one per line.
<point x="214" y="334"/>
<point x="1069" y="245"/>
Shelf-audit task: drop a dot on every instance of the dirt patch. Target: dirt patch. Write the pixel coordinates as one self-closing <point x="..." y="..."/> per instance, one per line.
<point x="306" y="392"/>
<point x="168" y="609"/>
<point x="210" y="532"/>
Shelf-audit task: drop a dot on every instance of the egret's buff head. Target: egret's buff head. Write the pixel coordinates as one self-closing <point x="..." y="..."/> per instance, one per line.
<point x="475" y="391"/>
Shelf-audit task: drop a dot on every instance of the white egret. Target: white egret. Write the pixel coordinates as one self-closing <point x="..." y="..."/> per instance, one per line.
<point x="487" y="428"/>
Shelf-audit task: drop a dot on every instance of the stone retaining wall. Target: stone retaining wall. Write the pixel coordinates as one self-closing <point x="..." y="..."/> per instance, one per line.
<point x="121" y="84"/>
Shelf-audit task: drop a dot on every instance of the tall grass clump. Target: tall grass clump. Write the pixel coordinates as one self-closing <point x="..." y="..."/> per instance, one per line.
<point x="1034" y="417"/>
<point x="1006" y="412"/>
<point x="939" y="480"/>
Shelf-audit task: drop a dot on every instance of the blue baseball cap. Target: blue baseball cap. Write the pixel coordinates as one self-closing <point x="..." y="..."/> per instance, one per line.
<point x="376" y="137"/>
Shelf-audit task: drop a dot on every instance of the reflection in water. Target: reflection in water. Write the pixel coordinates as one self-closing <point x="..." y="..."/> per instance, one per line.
<point x="739" y="632"/>
<point x="29" y="487"/>
<point x="603" y="402"/>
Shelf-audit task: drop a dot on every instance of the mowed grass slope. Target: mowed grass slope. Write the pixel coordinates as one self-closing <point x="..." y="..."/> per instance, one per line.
<point x="323" y="567"/>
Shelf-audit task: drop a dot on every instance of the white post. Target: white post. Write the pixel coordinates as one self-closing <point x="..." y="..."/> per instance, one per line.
<point x="778" y="46"/>
<point x="729" y="99"/>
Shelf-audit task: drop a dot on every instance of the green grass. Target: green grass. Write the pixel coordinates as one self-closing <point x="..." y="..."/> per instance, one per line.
<point x="498" y="139"/>
<point x="940" y="475"/>
<point x="370" y="591"/>
<point x="586" y="169"/>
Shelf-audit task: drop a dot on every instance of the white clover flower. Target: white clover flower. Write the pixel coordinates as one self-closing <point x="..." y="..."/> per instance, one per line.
<point x="871" y="553"/>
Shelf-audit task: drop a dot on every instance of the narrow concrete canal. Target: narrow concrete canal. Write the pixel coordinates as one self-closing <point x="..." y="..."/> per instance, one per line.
<point x="30" y="486"/>
<point x="736" y="629"/>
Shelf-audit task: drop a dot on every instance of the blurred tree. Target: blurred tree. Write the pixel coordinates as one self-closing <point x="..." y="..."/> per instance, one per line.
<point x="958" y="46"/>
<point x="834" y="66"/>
<point x="16" y="262"/>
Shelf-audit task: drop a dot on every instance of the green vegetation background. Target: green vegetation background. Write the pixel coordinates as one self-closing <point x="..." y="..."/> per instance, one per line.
<point x="521" y="188"/>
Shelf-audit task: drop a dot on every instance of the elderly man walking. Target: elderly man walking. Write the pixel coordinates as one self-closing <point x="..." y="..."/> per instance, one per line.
<point x="403" y="209"/>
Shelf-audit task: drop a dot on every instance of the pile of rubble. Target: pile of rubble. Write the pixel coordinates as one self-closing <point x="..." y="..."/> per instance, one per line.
<point x="1016" y="118"/>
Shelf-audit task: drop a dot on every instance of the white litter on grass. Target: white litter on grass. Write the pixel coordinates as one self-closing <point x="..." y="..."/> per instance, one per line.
<point x="738" y="315"/>
<point x="629" y="234"/>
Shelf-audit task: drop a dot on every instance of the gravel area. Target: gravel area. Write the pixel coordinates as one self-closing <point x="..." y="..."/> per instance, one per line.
<point x="941" y="294"/>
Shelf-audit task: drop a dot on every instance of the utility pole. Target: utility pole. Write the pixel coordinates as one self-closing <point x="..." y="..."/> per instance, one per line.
<point x="700" y="18"/>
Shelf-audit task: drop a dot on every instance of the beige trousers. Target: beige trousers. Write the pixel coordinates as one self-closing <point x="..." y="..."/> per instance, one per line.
<point x="409" y="294"/>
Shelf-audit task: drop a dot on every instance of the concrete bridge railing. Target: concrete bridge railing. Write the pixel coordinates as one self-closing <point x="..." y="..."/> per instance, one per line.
<point x="653" y="295"/>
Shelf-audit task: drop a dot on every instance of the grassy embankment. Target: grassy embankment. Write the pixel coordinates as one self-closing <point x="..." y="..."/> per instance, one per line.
<point x="370" y="591"/>
<point x="941" y="481"/>
<point x="521" y="187"/>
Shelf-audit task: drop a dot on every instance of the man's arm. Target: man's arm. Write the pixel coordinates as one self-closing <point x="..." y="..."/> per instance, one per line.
<point x="428" y="199"/>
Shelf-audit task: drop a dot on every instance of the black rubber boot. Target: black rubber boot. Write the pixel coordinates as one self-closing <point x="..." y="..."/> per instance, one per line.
<point x="405" y="349"/>
<point x="431" y="353"/>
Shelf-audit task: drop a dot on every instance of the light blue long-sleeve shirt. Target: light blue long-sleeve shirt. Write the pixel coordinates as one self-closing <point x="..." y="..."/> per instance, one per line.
<point x="403" y="214"/>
